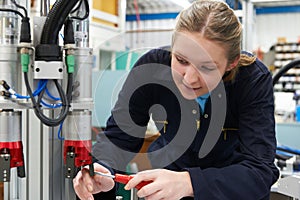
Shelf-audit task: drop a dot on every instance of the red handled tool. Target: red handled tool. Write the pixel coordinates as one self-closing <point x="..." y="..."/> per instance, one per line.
<point x="121" y="178"/>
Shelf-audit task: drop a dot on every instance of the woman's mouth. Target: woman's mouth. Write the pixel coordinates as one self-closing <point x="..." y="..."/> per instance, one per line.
<point x="191" y="87"/>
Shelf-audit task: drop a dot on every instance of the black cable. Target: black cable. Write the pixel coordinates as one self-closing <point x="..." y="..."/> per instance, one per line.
<point x="69" y="39"/>
<point x="19" y="6"/>
<point x="4" y="84"/>
<point x="11" y="10"/>
<point x="55" y="20"/>
<point x="5" y="94"/>
<point x="87" y="9"/>
<point x="87" y="12"/>
<point x="69" y="32"/>
<point x="25" y="35"/>
<point x="70" y="87"/>
<point x="77" y="7"/>
<point x="284" y="69"/>
<point x="64" y="111"/>
<point x="36" y="104"/>
<point x="49" y="40"/>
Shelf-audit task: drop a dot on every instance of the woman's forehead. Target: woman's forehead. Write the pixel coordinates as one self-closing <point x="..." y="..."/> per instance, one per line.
<point x="197" y="49"/>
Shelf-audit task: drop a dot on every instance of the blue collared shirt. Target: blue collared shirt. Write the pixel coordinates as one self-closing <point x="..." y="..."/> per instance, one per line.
<point x="201" y="100"/>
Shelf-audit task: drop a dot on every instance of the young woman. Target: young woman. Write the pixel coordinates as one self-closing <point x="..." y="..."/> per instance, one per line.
<point x="217" y="140"/>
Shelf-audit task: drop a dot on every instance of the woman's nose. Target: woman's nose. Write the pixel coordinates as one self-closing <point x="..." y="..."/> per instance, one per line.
<point x="191" y="75"/>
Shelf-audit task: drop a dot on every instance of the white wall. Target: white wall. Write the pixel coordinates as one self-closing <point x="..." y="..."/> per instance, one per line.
<point x="269" y="27"/>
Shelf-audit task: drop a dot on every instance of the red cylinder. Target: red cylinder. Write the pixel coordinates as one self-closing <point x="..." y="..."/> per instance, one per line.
<point x="82" y="150"/>
<point x="15" y="151"/>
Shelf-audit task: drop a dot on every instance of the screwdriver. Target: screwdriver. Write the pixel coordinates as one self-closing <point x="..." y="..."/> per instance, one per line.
<point x="121" y="178"/>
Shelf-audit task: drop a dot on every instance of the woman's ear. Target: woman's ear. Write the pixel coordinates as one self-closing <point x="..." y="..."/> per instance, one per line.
<point x="233" y="64"/>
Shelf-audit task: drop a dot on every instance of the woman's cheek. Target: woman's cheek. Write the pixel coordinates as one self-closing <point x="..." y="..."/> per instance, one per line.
<point x="211" y="81"/>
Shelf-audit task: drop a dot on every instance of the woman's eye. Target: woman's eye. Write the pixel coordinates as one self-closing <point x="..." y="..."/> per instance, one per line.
<point x="205" y="68"/>
<point x="182" y="61"/>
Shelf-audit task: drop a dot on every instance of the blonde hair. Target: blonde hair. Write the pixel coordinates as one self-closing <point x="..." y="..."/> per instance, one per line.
<point x="216" y="21"/>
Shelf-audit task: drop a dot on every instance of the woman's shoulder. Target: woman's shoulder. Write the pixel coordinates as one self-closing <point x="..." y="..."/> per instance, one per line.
<point x="160" y="55"/>
<point x="255" y="69"/>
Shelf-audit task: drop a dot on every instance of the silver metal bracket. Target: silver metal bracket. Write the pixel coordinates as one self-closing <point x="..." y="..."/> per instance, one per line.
<point x="4" y="167"/>
<point x="70" y="165"/>
<point x="48" y="70"/>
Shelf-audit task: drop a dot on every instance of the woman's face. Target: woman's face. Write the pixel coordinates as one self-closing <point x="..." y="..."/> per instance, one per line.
<point x="197" y="64"/>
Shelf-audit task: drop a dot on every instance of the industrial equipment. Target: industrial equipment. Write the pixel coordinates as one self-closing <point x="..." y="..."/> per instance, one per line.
<point x="50" y="75"/>
<point x="287" y="158"/>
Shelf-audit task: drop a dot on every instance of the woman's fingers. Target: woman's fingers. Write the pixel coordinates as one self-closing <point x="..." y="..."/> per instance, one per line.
<point x="80" y="188"/>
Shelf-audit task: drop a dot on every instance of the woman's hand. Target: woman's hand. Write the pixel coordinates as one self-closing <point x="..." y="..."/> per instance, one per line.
<point x="85" y="185"/>
<point x="167" y="185"/>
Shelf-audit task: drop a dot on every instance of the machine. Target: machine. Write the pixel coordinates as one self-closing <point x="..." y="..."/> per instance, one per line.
<point x="46" y="98"/>
<point x="287" y="158"/>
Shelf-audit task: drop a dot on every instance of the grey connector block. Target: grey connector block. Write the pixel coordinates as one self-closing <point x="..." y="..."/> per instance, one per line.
<point x="48" y="70"/>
